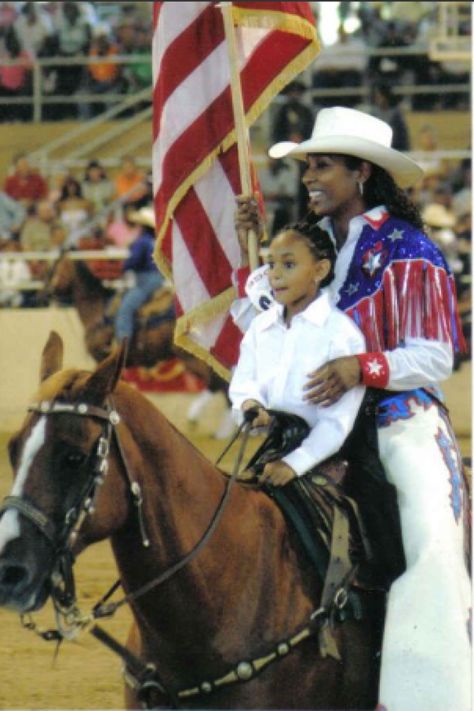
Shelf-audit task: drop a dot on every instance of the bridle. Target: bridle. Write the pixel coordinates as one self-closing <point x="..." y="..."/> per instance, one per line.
<point x="61" y="537"/>
<point x="142" y="677"/>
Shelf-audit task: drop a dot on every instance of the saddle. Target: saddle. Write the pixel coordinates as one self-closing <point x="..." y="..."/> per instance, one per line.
<point x="158" y="309"/>
<point x="339" y="514"/>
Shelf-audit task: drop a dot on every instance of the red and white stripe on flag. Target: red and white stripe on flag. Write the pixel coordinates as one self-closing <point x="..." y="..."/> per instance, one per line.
<point x="195" y="161"/>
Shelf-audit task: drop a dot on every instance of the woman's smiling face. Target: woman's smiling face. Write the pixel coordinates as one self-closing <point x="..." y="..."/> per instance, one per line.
<point x="332" y="186"/>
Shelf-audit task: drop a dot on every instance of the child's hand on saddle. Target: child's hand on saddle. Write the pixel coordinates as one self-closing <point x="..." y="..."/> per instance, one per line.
<point x="255" y="413"/>
<point x="327" y="384"/>
<point x="277" y="473"/>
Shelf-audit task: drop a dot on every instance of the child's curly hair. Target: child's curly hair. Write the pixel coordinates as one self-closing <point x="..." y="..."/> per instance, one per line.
<point x="318" y="241"/>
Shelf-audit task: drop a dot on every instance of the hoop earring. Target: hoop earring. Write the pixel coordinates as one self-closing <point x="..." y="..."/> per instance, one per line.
<point x="361" y="187"/>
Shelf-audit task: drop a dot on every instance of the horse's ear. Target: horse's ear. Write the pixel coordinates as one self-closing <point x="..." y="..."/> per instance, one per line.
<point x="52" y="356"/>
<point x="105" y="378"/>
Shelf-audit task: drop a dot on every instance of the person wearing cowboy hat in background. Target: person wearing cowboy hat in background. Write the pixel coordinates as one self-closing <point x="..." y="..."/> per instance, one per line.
<point x="146" y="276"/>
<point x="440" y="222"/>
<point x="397" y="286"/>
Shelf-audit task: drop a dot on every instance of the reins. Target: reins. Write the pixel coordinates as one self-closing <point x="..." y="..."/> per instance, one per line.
<point x="101" y="610"/>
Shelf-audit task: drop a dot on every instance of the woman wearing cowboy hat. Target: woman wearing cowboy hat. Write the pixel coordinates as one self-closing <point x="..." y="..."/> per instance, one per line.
<point x="395" y="283"/>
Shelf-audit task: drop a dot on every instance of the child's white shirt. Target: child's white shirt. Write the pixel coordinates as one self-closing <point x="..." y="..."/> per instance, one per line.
<point x="274" y="364"/>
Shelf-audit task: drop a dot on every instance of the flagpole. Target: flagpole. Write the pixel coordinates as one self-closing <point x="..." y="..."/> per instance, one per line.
<point x="239" y="120"/>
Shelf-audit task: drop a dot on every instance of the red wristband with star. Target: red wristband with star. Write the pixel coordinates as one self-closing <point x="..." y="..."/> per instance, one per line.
<point x="375" y="370"/>
<point x="242" y="274"/>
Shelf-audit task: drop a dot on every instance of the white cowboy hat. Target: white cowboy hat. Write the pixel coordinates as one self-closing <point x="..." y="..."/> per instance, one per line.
<point x="143" y="216"/>
<point x="353" y="133"/>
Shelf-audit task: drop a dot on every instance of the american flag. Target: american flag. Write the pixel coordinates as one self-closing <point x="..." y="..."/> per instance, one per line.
<point x="195" y="161"/>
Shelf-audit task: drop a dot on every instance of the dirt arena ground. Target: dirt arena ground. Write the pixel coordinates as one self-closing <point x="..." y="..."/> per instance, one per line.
<point x="86" y="675"/>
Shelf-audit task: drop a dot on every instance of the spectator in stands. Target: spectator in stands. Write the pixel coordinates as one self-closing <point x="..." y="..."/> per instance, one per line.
<point x="461" y="176"/>
<point x="126" y="36"/>
<point x="386" y="107"/>
<point x="8" y="14"/>
<point x="97" y="189"/>
<point x="12" y="216"/>
<point x="13" y="273"/>
<point x="340" y="65"/>
<point x="440" y="222"/>
<point x="120" y="231"/>
<point x="25" y="184"/>
<point x="433" y="166"/>
<point x="372" y="26"/>
<point x="104" y="76"/>
<point x="35" y="29"/>
<point x="58" y="235"/>
<point x="74" y="34"/>
<point x="462" y="197"/>
<point x="56" y="185"/>
<point x="139" y="75"/>
<point x="73" y="209"/>
<point x="15" y="79"/>
<point x="35" y="235"/>
<point x="294" y="119"/>
<point x="130" y="182"/>
<point x="389" y="68"/>
<point x="86" y="9"/>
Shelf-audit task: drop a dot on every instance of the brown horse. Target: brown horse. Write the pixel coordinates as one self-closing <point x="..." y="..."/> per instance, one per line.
<point x="231" y="629"/>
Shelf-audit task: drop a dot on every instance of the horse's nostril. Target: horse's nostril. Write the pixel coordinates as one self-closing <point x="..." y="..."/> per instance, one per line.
<point x="12" y="575"/>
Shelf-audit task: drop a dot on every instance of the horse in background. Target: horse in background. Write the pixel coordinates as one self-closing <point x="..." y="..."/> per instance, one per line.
<point x="226" y="631"/>
<point x="153" y="340"/>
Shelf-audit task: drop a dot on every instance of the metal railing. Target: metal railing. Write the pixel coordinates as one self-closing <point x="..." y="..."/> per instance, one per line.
<point x="108" y="253"/>
<point x="39" y="97"/>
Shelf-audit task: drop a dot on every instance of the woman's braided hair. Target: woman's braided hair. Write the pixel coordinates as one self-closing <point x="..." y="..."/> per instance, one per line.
<point x="318" y="241"/>
<point x="381" y="189"/>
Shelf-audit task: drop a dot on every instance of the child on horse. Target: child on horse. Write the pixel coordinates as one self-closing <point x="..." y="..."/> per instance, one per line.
<point x="283" y="342"/>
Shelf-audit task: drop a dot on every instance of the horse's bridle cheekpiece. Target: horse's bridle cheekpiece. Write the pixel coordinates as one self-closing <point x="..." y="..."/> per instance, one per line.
<point x="62" y="538"/>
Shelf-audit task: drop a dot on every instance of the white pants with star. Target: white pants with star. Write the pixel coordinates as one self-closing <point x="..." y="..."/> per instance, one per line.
<point x="426" y="654"/>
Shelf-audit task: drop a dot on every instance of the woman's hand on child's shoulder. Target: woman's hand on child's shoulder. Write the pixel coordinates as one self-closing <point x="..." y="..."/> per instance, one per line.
<point x="277" y="473"/>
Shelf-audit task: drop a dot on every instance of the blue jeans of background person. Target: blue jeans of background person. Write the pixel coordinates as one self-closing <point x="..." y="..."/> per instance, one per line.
<point x="146" y="284"/>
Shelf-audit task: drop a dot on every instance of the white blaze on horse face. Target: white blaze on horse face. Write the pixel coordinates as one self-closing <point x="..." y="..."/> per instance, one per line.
<point x="9" y="523"/>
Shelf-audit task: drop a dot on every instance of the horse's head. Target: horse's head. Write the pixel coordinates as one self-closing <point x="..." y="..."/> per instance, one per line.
<point x="59" y="458"/>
